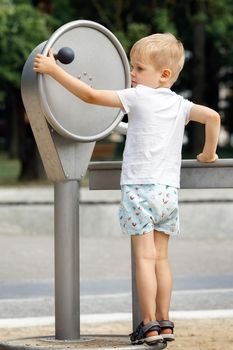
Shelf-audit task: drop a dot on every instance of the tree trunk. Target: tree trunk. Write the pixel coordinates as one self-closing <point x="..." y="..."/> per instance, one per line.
<point x="12" y="124"/>
<point x="196" y="130"/>
<point x="212" y="88"/>
<point x="21" y="141"/>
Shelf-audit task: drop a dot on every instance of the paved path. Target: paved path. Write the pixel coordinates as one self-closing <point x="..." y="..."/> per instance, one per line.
<point x="201" y="258"/>
<point x="202" y="275"/>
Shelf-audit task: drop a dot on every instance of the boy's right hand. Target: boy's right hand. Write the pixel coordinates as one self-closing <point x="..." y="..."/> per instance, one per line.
<point x="45" y="64"/>
<point x="204" y="159"/>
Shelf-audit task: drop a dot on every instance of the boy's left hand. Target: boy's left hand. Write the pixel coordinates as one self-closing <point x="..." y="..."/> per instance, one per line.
<point x="44" y="64"/>
<point x="204" y="159"/>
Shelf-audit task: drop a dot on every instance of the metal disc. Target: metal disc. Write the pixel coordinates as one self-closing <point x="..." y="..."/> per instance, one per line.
<point x="101" y="62"/>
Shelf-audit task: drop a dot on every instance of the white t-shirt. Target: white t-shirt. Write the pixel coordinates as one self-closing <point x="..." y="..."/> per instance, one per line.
<point x="157" y="118"/>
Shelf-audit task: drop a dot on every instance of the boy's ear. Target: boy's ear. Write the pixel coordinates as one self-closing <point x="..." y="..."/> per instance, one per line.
<point x="166" y="74"/>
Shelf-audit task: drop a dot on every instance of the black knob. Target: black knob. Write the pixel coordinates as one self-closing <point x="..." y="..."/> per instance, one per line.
<point x="65" y="55"/>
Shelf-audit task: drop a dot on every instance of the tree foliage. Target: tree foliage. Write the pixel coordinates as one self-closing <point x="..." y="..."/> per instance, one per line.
<point x="22" y="27"/>
<point x="204" y="26"/>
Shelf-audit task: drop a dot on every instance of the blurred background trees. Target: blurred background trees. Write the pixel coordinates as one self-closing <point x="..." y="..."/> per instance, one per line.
<point x="204" y="26"/>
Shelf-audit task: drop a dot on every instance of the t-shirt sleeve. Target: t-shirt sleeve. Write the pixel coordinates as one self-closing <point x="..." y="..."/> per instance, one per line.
<point x="127" y="98"/>
<point x="188" y="106"/>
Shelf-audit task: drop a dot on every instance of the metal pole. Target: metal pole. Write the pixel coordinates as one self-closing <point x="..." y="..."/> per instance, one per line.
<point x="67" y="281"/>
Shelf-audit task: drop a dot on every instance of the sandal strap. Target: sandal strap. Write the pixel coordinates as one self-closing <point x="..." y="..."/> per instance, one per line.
<point x="151" y="326"/>
<point x="138" y="333"/>
<point x="166" y="324"/>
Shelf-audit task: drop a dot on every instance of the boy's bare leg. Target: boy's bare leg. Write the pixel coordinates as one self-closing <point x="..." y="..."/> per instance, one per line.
<point x="144" y="257"/>
<point x="164" y="277"/>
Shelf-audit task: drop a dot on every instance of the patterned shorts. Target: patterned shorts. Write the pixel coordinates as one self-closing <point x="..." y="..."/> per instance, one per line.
<point x="145" y="208"/>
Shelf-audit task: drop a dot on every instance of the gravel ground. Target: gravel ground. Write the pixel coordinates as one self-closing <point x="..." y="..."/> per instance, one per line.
<point x="211" y="334"/>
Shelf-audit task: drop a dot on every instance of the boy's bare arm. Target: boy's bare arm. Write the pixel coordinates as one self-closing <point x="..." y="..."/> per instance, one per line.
<point x="47" y="65"/>
<point x="212" y="121"/>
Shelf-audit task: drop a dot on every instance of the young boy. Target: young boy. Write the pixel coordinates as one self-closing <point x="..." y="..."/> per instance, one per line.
<point x="151" y="166"/>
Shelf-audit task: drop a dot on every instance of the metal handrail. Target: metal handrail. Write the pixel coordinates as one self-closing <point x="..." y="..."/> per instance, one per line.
<point x="186" y="163"/>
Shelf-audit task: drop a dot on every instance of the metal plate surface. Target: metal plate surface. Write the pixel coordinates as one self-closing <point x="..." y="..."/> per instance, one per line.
<point x="100" y="61"/>
<point x="106" y="175"/>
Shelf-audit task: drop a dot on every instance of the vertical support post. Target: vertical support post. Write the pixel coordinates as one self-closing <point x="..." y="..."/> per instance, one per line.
<point x="67" y="281"/>
<point x="135" y="304"/>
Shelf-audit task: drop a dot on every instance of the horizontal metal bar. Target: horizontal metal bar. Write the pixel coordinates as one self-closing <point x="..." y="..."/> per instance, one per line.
<point x="104" y="165"/>
<point x="220" y="163"/>
<point x="106" y="175"/>
<point x="186" y="163"/>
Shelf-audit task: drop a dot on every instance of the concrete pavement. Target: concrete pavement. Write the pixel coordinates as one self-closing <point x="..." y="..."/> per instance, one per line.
<point x="201" y="257"/>
<point x="29" y="211"/>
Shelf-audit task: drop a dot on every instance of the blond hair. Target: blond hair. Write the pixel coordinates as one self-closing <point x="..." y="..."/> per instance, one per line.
<point x="162" y="50"/>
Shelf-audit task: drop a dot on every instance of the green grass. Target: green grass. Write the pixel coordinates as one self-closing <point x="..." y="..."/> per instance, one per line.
<point x="9" y="170"/>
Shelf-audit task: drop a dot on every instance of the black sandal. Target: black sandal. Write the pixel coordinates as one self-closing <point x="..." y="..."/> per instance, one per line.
<point x="139" y="336"/>
<point x="166" y="324"/>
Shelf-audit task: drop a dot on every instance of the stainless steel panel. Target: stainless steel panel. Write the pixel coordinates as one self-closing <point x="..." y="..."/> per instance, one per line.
<point x="106" y="175"/>
<point x="100" y="61"/>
